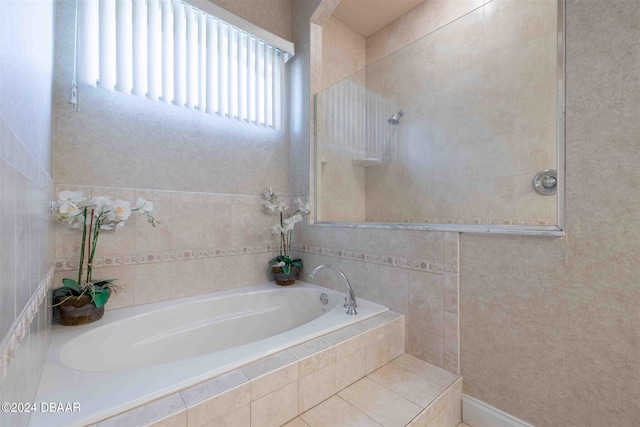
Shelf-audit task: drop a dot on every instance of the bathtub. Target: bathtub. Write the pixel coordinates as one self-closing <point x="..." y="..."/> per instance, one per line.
<point x="138" y="354"/>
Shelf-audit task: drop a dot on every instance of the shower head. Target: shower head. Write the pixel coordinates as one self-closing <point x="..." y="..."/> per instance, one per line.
<point x="395" y="119"/>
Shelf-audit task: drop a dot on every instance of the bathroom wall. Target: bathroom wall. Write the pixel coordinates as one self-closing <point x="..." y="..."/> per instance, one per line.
<point x="26" y="186"/>
<point x="203" y="173"/>
<point x="549" y="326"/>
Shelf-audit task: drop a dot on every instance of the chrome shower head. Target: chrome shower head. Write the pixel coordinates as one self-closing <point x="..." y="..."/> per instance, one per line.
<point x="395" y="119"/>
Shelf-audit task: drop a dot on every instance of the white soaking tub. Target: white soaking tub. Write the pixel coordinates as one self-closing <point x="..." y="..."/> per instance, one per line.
<point x="135" y="355"/>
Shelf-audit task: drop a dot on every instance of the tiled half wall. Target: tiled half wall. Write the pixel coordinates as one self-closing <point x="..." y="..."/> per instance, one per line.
<point x="205" y="242"/>
<point x="412" y="272"/>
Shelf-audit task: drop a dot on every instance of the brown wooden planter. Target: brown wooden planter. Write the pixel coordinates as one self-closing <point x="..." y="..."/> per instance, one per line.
<point x="77" y="311"/>
<point x="283" y="279"/>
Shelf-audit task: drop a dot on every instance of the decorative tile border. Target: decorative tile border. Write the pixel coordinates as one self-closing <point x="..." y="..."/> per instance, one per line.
<point x="409" y="263"/>
<point x="22" y="324"/>
<point x="68" y="264"/>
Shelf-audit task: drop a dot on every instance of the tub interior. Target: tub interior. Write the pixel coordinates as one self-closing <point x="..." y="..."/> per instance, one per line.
<point x="192" y="329"/>
<point x="101" y="367"/>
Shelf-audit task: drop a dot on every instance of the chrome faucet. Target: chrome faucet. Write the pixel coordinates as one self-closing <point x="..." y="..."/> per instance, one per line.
<point x="350" y="297"/>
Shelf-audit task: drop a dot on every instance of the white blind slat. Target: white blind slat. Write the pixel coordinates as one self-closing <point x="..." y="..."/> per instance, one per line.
<point x="139" y="52"/>
<point x="268" y="86"/>
<point x="89" y="21"/>
<point x="124" y="46"/>
<point x="192" y="59"/>
<point x="212" y="66"/>
<point x="222" y="69"/>
<point x="202" y="61"/>
<point x="179" y="54"/>
<point x="167" y="51"/>
<point x="154" y="50"/>
<point x="107" y="37"/>
<point x="231" y="72"/>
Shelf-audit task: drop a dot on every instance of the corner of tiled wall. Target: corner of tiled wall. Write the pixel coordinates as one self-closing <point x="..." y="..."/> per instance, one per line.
<point x="26" y="249"/>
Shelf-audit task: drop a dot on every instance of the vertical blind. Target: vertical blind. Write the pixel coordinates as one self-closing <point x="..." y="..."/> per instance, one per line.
<point x="169" y="51"/>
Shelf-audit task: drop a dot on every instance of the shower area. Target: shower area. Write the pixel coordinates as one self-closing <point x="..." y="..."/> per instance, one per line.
<point x="444" y="115"/>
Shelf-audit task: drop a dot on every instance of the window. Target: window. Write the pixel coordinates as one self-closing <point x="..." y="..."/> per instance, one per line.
<point x="173" y="52"/>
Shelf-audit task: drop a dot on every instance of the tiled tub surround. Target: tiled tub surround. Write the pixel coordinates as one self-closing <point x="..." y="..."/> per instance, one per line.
<point x="200" y="236"/>
<point x="413" y="272"/>
<point x="160" y="348"/>
<point x="357" y="374"/>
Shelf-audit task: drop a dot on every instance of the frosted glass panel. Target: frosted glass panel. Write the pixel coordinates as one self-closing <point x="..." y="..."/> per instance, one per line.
<point x="449" y="129"/>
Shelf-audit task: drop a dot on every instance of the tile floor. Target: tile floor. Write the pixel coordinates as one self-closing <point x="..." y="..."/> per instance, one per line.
<point x="405" y="392"/>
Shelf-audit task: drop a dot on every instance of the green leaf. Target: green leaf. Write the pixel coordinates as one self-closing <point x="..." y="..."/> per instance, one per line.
<point x="101" y="283"/>
<point x="286" y="260"/>
<point x="286" y="269"/>
<point x="60" y="292"/>
<point x="100" y="298"/>
<point x="297" y="263"/>
<point x="71" y="284"/>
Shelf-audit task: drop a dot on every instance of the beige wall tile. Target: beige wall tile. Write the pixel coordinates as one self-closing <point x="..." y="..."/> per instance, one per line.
<point x="158" y="238"/>
<point x="186" y="225"/>
<point x="276" y="408"/>
<point x="350" y="346"/>
<point x="219" y="405"/>
<point x="377" y="355"/>
<point x="273" y="380"/>
<point x="186" y="278"/>
<point x="152" y="282"/>
<point x="316" y="387"/>
<point x="216" y="275"/>
<point x="240" y="270"/>
<point x="426" y="317"/>
<point x="317" y="361"/>
<point x="216" y="221"/>
<point x="350" y="369"/>
<point x="240" y="417"/>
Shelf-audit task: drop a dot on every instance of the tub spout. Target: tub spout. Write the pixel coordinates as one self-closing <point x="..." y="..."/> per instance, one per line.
<point x="350" y="297"/>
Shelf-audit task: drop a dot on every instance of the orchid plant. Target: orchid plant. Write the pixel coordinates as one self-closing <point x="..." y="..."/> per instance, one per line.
<point x="275" y="203"/>
<point x="96" y="215"/>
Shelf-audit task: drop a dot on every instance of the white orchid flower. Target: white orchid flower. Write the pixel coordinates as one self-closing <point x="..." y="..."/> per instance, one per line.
<point x="74" y="197"/>
<point x="100" y="204"/>
<point x="277" y="229"/>
<point x="67" y="209"/>
<point x="297" y="218"/>
<point x="121" y="209"/>
<point x="282" y="207"/>
<point x="270" y="206"/>
<point x="144" y="205"/>
<point x="288" y="226"/>
<point x="303" y="205"/>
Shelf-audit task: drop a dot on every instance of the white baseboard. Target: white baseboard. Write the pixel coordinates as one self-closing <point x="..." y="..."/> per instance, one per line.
<point x="478" y="414"/>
